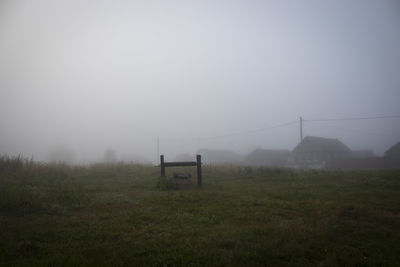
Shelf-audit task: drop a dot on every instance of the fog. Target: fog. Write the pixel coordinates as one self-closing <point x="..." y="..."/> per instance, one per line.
<point x="100" y="76"/>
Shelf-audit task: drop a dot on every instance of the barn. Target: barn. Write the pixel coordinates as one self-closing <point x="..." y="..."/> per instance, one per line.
<point x="392" y="156"/>
<point x="219" y="156"/>
<point x="316" y="151"/>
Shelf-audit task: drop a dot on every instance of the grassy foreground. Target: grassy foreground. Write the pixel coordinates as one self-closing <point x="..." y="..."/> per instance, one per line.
<point x="55" y="215"/>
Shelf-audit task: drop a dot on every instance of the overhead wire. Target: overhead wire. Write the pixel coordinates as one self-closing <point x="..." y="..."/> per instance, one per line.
<point x="279" y="126"/>
<point x="250" y="131"/>
<point x="354" y="118"/>
<point x="236" y="133"/>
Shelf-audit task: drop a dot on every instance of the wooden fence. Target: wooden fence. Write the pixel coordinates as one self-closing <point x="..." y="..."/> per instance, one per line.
<point x="197" y="163"/>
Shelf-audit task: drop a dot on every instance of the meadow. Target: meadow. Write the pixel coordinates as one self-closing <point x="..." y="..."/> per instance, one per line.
<point x="126" y="215"/>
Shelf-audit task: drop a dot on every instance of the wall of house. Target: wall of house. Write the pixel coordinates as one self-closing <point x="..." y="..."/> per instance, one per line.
<point x="356" y="163"/>
<point x="318" y="157"/>
<point x="393" y="160"/>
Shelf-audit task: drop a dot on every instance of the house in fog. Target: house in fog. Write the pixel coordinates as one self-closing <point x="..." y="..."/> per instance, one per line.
<point x="391" y="159"/>
<point x="392" y="156"/>
<point x="268" y="157"/>
<point x="315" y="151"/>
<point x="217" y="156"/>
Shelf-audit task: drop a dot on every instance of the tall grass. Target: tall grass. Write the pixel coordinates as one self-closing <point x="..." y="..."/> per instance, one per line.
<point x="13" y="163"/>
<point x="124" y="214"/>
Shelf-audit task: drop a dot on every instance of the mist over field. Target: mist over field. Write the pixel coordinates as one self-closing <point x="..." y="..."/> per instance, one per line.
<point x="103" y="80"/>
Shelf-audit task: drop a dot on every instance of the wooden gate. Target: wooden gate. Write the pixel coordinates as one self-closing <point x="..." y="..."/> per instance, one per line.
<point x="197" y="163"/>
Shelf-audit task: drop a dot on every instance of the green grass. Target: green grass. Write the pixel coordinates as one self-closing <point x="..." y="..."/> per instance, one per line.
<point x="113" y="215"/>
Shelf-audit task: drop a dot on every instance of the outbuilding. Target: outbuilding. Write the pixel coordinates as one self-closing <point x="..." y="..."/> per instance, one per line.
<point x="317" y="151"/>
<point x="392" y="156"/>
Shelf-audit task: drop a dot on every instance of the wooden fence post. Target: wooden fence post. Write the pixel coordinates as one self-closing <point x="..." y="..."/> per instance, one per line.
<point x="162" y="165"/>
<point x="198" y="159"/>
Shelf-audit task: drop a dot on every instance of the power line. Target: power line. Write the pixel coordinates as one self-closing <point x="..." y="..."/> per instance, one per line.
<point x="380" y="134"/>
<point x="355" y="118"/>
<point x="250" y="131"/>
<point x="279" y="126"/>
<point x="230" y="134"/>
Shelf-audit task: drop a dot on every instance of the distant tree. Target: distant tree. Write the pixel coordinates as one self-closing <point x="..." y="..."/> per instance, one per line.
<point x="110" y="156"/>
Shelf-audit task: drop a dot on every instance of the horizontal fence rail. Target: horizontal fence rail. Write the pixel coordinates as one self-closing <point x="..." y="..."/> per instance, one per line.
<point x="181" y="163"/>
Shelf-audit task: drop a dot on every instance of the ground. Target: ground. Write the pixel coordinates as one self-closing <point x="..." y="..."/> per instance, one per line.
<point x="113" y="215"/>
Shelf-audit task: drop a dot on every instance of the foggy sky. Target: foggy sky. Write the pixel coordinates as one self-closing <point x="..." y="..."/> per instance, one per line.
<point x="93" y="75"/>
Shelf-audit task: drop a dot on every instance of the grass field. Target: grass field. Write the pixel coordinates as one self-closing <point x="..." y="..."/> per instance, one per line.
<point x="56" y="215"/>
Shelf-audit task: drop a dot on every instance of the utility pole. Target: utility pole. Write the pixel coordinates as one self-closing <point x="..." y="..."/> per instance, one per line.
<point x="301" y="129"/>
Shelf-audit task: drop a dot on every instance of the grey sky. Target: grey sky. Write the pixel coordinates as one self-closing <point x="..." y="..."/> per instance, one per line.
<point x="91" y="75"/>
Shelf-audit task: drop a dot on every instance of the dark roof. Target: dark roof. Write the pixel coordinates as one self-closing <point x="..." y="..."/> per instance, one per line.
<point x="394" y="149"/>
<point x="319" y="144"/>
<point x="221" y="156"/>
